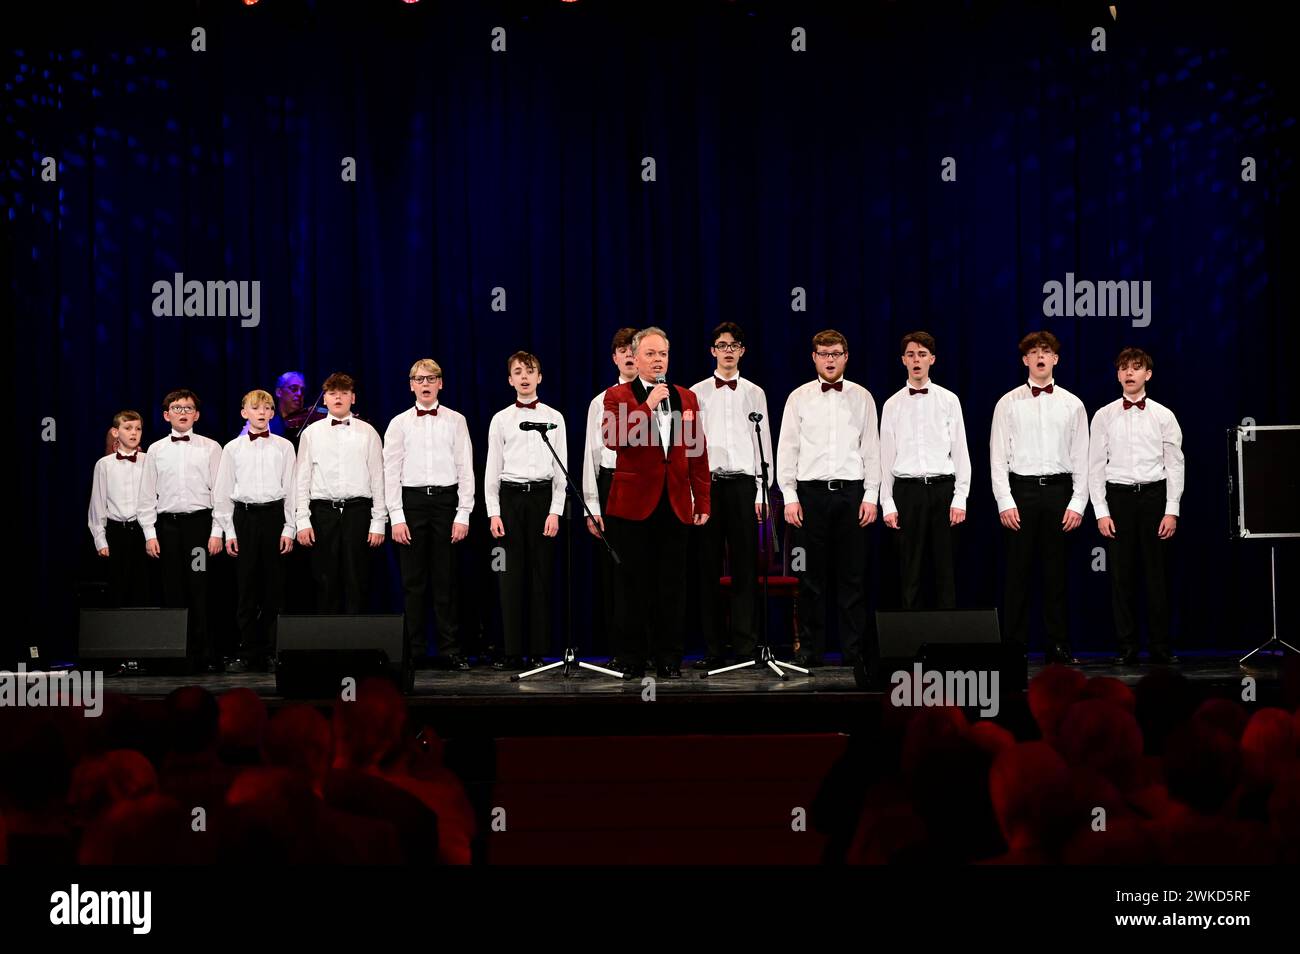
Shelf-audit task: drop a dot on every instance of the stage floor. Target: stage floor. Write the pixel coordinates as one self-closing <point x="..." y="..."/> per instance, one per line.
<point x="484" y="703"/>
<point x="482" y="684"/>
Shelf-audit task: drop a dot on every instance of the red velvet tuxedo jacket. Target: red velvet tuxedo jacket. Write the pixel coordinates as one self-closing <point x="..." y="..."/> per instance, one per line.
<point x="631" y="430"/>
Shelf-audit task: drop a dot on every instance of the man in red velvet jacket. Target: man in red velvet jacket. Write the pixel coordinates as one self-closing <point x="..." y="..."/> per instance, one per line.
<point x="660" y="487"/>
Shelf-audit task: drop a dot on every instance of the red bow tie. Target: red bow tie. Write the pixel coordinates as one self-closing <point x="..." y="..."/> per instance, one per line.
<point x="720" y="383"/>
<point x="175" y="439"/>
<point x="336" y="422"/>
<point x="837" y="386"/>
<point x="420" y="412"/>
<point x="254" y="435"/>
<point x="1038" y="391"/>
<point x="911" y="391"/>
<point x="121" y="456"/>
<point x="1140" y="405"/>
<point x="526" y="407"/>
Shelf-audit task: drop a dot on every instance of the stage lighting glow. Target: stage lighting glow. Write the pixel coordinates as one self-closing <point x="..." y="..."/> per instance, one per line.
<point x="250" y="3"/>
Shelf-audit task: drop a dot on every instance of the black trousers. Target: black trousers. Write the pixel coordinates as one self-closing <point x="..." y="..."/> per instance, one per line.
<point x="340" y="557"/>
<point x="130" y="571"/>
<point x="834" y="549"/>
<point x="654" y="581"/>
<point x="924" y="532"/>
<point x="184" y="573"/>
<point x="428" y="564"/>
<point x="1039" y="541"/>
<point x="1137" y="512"/>
<point x="733" y="526"/>
<point x="259" y="574"/>
<point x="526" y="579"/>
<point x="609" y="577"/>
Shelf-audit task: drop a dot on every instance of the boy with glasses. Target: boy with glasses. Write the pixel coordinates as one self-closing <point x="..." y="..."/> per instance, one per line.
<point x="736" y="501"/>
<point x="429" y="476"/>
<point x="176" y="495"/>
<point x="828" y="466"/>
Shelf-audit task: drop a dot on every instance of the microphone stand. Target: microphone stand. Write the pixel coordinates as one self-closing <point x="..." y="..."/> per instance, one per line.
<point x="569" y="661"/>
<point x="763" y="651"/>
<point x="307" y="417"/>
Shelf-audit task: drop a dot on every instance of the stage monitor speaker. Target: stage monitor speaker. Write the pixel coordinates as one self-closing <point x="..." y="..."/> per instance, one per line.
<point x="314" y="654"/>
<point x="132" y="635"/>
<point x="944" y="640"/>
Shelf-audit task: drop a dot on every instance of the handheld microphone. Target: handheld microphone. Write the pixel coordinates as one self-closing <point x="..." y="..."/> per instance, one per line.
<point x="755" y="416"/>
<point x="664" y="404"/>
<point x="537" y="426"/>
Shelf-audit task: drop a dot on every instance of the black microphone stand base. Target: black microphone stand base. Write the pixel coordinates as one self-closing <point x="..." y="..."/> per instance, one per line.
<point x="568" y="665"/>
<point x="763" y="656"/>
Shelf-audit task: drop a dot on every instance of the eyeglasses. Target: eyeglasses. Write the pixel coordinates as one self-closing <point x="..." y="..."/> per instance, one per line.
<point x="182" y="409"/>
<point x="425" y="378"/>
<point x="830" y="355"/>
<point x="728" y="346"/>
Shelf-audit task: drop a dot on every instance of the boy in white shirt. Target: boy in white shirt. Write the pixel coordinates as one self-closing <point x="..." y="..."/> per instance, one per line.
<point x="1136" y="476"/>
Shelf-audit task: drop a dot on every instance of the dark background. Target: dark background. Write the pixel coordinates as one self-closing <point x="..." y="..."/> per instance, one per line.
<point x="522" y="170"/>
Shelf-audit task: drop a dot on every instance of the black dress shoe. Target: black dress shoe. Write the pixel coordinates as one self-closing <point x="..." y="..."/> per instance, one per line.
<point x="808" y="661"/>
<point x="632" y="670"/>
<point x="1061" y="657"/>
<point x="237" y="665"/>
<point x="269" y="664"/>
<point x="213" y="666"/>
<point x="1129" y="658"/>
<point x="457" y="663"/>
<point x="670" y="670"/>
<point x="709" y="662"/>
<point x="535" y="662"/>
<point x="1163" y="658"/>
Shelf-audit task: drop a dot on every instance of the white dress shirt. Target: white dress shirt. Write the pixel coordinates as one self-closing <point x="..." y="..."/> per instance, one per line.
<point x="829" y="435"/>
<point x="724" y="413"/>
<point x="595" y="454"/>
<point x="923" y="435"/>
<point x="1137" y="446"/>
<point x="178" y="478"/>
<point x="1037" y="436"/>
<point x="339" y="462"/>
<point x="429" y="450"/>
<point x="255" y="470"/>
<point x="114" y="493"/>
<point x="662" y="415"/>
<point x="521" y="457"/>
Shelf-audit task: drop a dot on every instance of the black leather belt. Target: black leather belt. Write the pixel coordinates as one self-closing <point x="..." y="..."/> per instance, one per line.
<point x="125" y="524"/>
<point x="1133" y="488"/>
<point x="177" y="517"/>
<point x="269" y="505"/>
<point x="1044" y="480"/>
<point x="532" y="485"/>
<point x="431" y="491"/>
<point x="726" y="478"/>
<point x="831" y="485"/>
<point x="934" y="479"/>
<point x="348" y="504"/>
